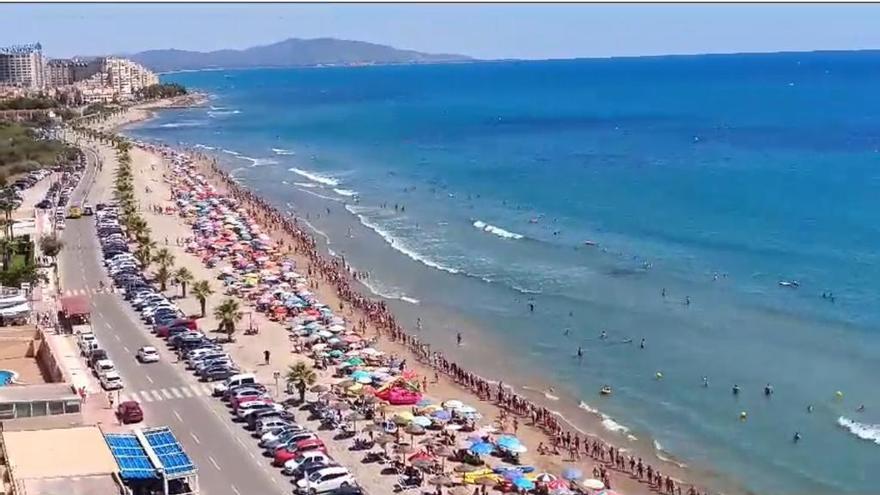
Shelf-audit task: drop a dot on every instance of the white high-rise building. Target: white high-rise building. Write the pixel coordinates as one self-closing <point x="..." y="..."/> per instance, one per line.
<point x="22" y="66"/>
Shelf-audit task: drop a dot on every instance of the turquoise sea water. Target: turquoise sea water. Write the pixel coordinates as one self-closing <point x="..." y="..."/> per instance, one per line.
<point x="710" y="179"/>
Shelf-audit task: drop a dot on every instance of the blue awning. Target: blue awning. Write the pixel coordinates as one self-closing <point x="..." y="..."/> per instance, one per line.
<point x="130" y="456"/>
<point x="149" y="454"/>
<point x="170" y="452"/>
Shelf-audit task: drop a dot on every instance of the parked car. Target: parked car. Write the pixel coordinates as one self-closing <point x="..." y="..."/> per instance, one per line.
<point x="111" y="380"/>
<point x="148" y="354"/>
<point x="233" y="381"/>
<point x="306" y="457"/>
<point x="129" y="412"/>
<point x="325" y="480"/>
<point x="289" y="452"/>
<point x="102" y="367"/>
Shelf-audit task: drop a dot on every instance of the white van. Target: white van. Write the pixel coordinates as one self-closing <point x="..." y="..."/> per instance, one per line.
<point x="111" y="381"/>
<point x="234" y="380"/>
<point x="104" y="366"/>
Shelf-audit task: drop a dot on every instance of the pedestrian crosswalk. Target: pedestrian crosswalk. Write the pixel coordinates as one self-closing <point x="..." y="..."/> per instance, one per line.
<point x="169" y="393"/>
<point x="88" y="291"/>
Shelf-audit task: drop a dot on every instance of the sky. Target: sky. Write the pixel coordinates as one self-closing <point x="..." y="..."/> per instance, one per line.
<point x="486" y="31"/>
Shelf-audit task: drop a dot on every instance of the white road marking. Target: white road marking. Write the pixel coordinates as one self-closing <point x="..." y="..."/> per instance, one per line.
<point x="197" y="391"/>
<point x="208" y="389"/>
<point x="214" y="463"/>
<point x="146" y="397"/>
<point x="186" y="392"/>
<point x="166" y="393"/>
<point x="236" y="489"/>
<point x="116" y="336"/>
<point x="126" y="349"/>
<point x="274" y="481"/>
<point x="148" y="378"/>
<point x="156" y="395"/>
<point x="176" y="393"/>
<point x="195" y="437"/>
<point x="252" y="455"/>
<point x="181" y="420"/>
<point x="215" y="413"/>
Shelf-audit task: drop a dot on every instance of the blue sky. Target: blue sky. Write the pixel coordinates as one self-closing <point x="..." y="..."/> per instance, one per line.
<point x="480" y="30"/>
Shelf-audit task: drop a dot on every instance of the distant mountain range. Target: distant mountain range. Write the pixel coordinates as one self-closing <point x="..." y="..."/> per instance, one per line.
<point x="292" y="52"/>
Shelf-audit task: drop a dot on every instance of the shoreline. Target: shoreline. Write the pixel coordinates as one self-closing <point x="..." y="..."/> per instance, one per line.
<point x="395" y="341"/>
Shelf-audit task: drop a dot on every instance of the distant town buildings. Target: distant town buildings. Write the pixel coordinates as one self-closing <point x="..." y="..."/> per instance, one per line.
<point x="24" y="70"/>
<point x="22" y="66"/>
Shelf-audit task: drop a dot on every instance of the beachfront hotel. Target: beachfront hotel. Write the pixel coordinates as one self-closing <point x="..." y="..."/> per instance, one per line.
<point x="22" y="66"/>
<point x="118" y="79"/>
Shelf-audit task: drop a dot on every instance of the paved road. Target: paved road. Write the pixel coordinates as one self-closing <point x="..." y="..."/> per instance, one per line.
<point x="228" y="459"/>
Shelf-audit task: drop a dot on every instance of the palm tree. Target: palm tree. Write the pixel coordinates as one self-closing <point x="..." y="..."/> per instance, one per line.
<point x="202" y="290"/>
<point x="228" y="314"/>
<point x="144" y="254"/>
<point x="301" y="372"/>
<point x="162" y="275"/>
<point x="164" y="258"/>
<point x="50" y="245"/>
<point x="183" y="277"/>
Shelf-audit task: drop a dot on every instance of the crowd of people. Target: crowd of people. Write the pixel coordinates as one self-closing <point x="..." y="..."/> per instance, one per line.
<point x="563" y="441"/>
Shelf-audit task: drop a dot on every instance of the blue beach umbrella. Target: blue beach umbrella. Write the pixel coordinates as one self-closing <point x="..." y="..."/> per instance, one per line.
<point x="572" y="474"/>
<point x="508" y="442"/>
<point x="524" y="483"/>
<point x="425" y="403"/>
<point x="422" y="421"/>
<point x="481" y="448"/>
<point x="442" y="415"/>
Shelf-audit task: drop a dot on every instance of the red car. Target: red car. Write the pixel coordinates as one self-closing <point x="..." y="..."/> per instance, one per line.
<point x="129" y="412"/>
<point x="285" y="454"/>
<point x="248" y="396"/>
<point x="185" y="323"/>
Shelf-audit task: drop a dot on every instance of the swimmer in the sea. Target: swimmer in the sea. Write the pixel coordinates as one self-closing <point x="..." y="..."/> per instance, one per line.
<point x="642" y="344"/>
<point x="706" y="381"/>
<point x="735" y="389"/>
<point x="604" y="335"/>
<point x="566" y="332"/>
<point x="580" y="352"/>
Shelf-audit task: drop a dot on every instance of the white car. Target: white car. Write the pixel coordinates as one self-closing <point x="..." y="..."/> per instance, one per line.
<point x="111" y="381"/>
<point x="148" y="354"/>
<point x="307" y="456"/>
<point x="273" y="435"/>
<point x="104" y="366"/>
<point x="325" y="480"/>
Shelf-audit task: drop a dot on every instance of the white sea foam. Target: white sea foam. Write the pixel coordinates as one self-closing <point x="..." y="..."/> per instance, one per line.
<point x="659" y="452"/>
<point x="306" y="184"/>
<point x="312" y="176"/>
<point x="282" y="151"/>
<point x="259" y="162"/>
<point x="396" y="243"/>
<point x="505" y="234"/>
<point x="345" y="192"/>
<point x="410" y="300"/>
<point x="607" y="421"/>
<point x="381" y="291"/>
<point x="204" y="147"/>
<point x="223" y="113"/>
<point x="185" y="123"/>
<point x="328" y="198"/>
<point x="230" y="152"/>
<point x="864" y="431"/>
<point x="317" y="231"/>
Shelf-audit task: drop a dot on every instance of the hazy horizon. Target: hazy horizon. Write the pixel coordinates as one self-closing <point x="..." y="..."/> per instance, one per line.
<point x="516" y="31"/>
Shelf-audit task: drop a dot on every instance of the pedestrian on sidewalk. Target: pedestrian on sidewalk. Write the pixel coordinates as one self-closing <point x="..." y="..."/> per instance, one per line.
<point x="266" y="355"/>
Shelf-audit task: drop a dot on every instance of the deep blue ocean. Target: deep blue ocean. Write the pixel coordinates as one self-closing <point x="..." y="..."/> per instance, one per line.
<point x="662" y="199"/>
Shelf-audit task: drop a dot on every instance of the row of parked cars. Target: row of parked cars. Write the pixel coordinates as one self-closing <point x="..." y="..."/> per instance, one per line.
<point x="98" y="360"/>
<point x="291" y="446"/>
<point x="203" y="355"/>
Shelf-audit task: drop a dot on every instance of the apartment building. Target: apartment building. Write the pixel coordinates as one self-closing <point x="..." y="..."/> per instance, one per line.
<point x="22" y="66"/>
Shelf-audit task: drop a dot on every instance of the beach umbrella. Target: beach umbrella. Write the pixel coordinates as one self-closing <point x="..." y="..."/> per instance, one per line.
<point x="442" y="415"/>
<point x="524" y="483"/>
<point x="404" y="449"/>
<point x="545" y="478"/>
<point x="572" y="474"/>
<point x="422" y="421"/>
<point x="424" y="402"/>
<point x="340" y="406"/>
<point x="441" y="481"/>
<point x="355" y="361"/>
<point x="518" y="449"/>
<point x="452" y="427"/>
<point x="444" y="451"/>
<point x="372" y="427"/>
<point x="414" y="429"/>
<point x="336" y="353"/>
<point x="486" y="481"/>
<point x="507" y="441"/>
<point x="511" y="474"/>
<point x="481" y="448"/>
<point x="320" y="388"/>
<point x="403" y="417"/>
<point x="467" y="410"/>
<point x="465" y="468"/>
<point x="386" y="439"/>
<point x="593" y="484"/>
<point x="423" y="463"/>
<point x="452" y="404"/>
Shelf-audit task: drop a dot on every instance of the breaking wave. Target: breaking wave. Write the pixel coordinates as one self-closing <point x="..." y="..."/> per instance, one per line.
<point x="282" y="151"/>
<point x="345" y="192"/>
<point x="505" y="234"/>
<point x="864" y="431"/>
<point x="312" y="176"/>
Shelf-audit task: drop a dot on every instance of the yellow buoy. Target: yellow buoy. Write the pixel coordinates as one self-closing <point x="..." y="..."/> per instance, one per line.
<point x="838" y="395"/>
<point x="743" y="415"/>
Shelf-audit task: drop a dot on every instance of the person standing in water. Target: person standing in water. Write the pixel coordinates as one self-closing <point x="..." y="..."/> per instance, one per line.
<point x="580" y="352"/>
<point x="735" y="389"/>
<point x="458" y="338"/>
<point x="603" y="335"/>
<point x="642" y="344"/>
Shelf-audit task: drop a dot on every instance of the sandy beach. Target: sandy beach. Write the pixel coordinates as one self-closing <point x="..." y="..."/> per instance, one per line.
<point x="150" y="168"/>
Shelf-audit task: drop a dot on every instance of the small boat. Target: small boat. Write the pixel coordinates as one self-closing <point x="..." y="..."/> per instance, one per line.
<point x="606" y="390"/>
<point x="792" y="283"/>
<point x="590" y="243"/>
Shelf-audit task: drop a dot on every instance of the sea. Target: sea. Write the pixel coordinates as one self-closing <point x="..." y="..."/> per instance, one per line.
<point x="693" y="224"/>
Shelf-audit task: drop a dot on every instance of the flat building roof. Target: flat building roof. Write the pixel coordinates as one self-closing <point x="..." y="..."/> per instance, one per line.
<point x="60" y="452"/>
